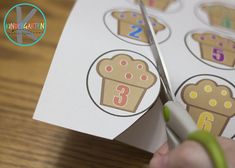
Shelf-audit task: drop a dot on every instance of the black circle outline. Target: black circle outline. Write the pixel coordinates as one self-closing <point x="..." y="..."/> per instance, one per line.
<point x="87" y="85"/>
<point x="165" y="12"/>
<point x="180" y="86"/>
<point x="219" y="29"/>
<point x="187" y="46"/>
<point x="162" y="21"/>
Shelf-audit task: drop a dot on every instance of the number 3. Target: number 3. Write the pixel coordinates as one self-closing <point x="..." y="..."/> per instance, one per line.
<point x="136" y="31"/>
<point x="205" y="121"/>
<point x="123" y="92"/>
<point x="218" y="54"/>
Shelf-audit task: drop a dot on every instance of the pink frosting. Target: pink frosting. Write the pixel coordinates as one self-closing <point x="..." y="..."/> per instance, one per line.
<point x="108" y="68"/>
<point x="128" y="75"/>
<point x="139" y="66"/>
<point x="144" y="77"/>
<point x="123" y="62"/>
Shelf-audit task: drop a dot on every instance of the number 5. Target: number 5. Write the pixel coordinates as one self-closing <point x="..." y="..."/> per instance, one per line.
<point x="218" y="54"/>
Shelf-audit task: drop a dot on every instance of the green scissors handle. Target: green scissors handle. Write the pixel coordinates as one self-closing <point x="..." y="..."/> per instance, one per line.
<point x="182" y="127"/>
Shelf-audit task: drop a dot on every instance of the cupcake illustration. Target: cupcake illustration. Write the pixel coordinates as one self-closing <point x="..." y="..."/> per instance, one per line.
<point x="210" y="105"/>
<point x="131" y="25"/>
<point x="124" y="82"/>
<point x="215" y="48"/>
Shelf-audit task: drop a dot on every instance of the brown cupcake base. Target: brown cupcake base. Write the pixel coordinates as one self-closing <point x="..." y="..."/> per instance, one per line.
<point x="208" y="120"/>
<point x="121" y="96"/>
<point x="217" y="55"/>
<point x="128" y="30"/>
<point x="222" y="21"/>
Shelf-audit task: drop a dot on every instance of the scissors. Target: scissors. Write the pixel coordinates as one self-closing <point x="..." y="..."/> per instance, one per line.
<point x="180" y="125"/>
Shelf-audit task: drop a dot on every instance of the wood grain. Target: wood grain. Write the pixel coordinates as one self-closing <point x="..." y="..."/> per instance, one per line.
<point x="26" y="143"/>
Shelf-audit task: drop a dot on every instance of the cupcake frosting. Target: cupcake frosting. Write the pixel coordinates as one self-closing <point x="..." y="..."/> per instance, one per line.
<point x="135" y="18"/>
<point x="215" y="40"/>
<point x="125" y="69"/>
<point x="207" y="95"/>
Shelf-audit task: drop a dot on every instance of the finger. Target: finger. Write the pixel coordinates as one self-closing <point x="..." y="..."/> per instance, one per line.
<point x="228" y="147"/>
<point x="188" y="154"/>
<point x="164" y="149"/>
<point x="157" y="157"/>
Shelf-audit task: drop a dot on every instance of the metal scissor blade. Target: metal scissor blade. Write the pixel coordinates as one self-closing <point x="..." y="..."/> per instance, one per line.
<point x="155" y="50"/>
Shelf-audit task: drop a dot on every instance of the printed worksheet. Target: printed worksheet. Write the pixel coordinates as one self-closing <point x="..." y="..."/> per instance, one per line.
<point x="103" y="79"/>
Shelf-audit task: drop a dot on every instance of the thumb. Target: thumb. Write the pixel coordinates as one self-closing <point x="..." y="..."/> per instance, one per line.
<point x="188" y="154"/>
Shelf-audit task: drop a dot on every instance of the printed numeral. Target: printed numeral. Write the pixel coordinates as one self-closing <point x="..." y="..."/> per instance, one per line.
<point x="205" y="121"/>
<point x="121" y="99"/>
<point x="227" y="22"/>
<point x="136" y="31"/>
<point x="218" y="54"/>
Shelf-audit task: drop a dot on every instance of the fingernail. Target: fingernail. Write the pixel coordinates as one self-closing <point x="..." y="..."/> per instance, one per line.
<point x="163" y="149"/>
<point x="164" y="160"/>
<point x="159" y="162"/>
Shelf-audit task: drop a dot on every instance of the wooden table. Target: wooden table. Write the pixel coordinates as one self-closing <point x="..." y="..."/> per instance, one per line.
<point x="26" y="143"/>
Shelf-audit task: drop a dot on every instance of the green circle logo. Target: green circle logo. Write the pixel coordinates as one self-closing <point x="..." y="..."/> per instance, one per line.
<point x="24" y="24"/>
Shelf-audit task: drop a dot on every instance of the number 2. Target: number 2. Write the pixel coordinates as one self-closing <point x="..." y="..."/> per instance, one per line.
<point x="136" y="31"/>
<point x="205" y="121"/>
<point x="123" y="92"/>
<point x="218" y="54"/>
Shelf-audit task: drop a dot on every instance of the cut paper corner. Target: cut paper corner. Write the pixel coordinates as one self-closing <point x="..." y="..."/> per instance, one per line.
<point x="148" y="133"/>
<point x="62" y="104"/>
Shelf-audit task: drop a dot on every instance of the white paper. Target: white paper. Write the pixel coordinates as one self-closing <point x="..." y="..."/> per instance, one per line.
<point x="72" y="92"/>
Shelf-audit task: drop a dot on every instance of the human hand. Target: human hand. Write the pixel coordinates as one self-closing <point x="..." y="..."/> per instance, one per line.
<point x="191" y="154"/>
